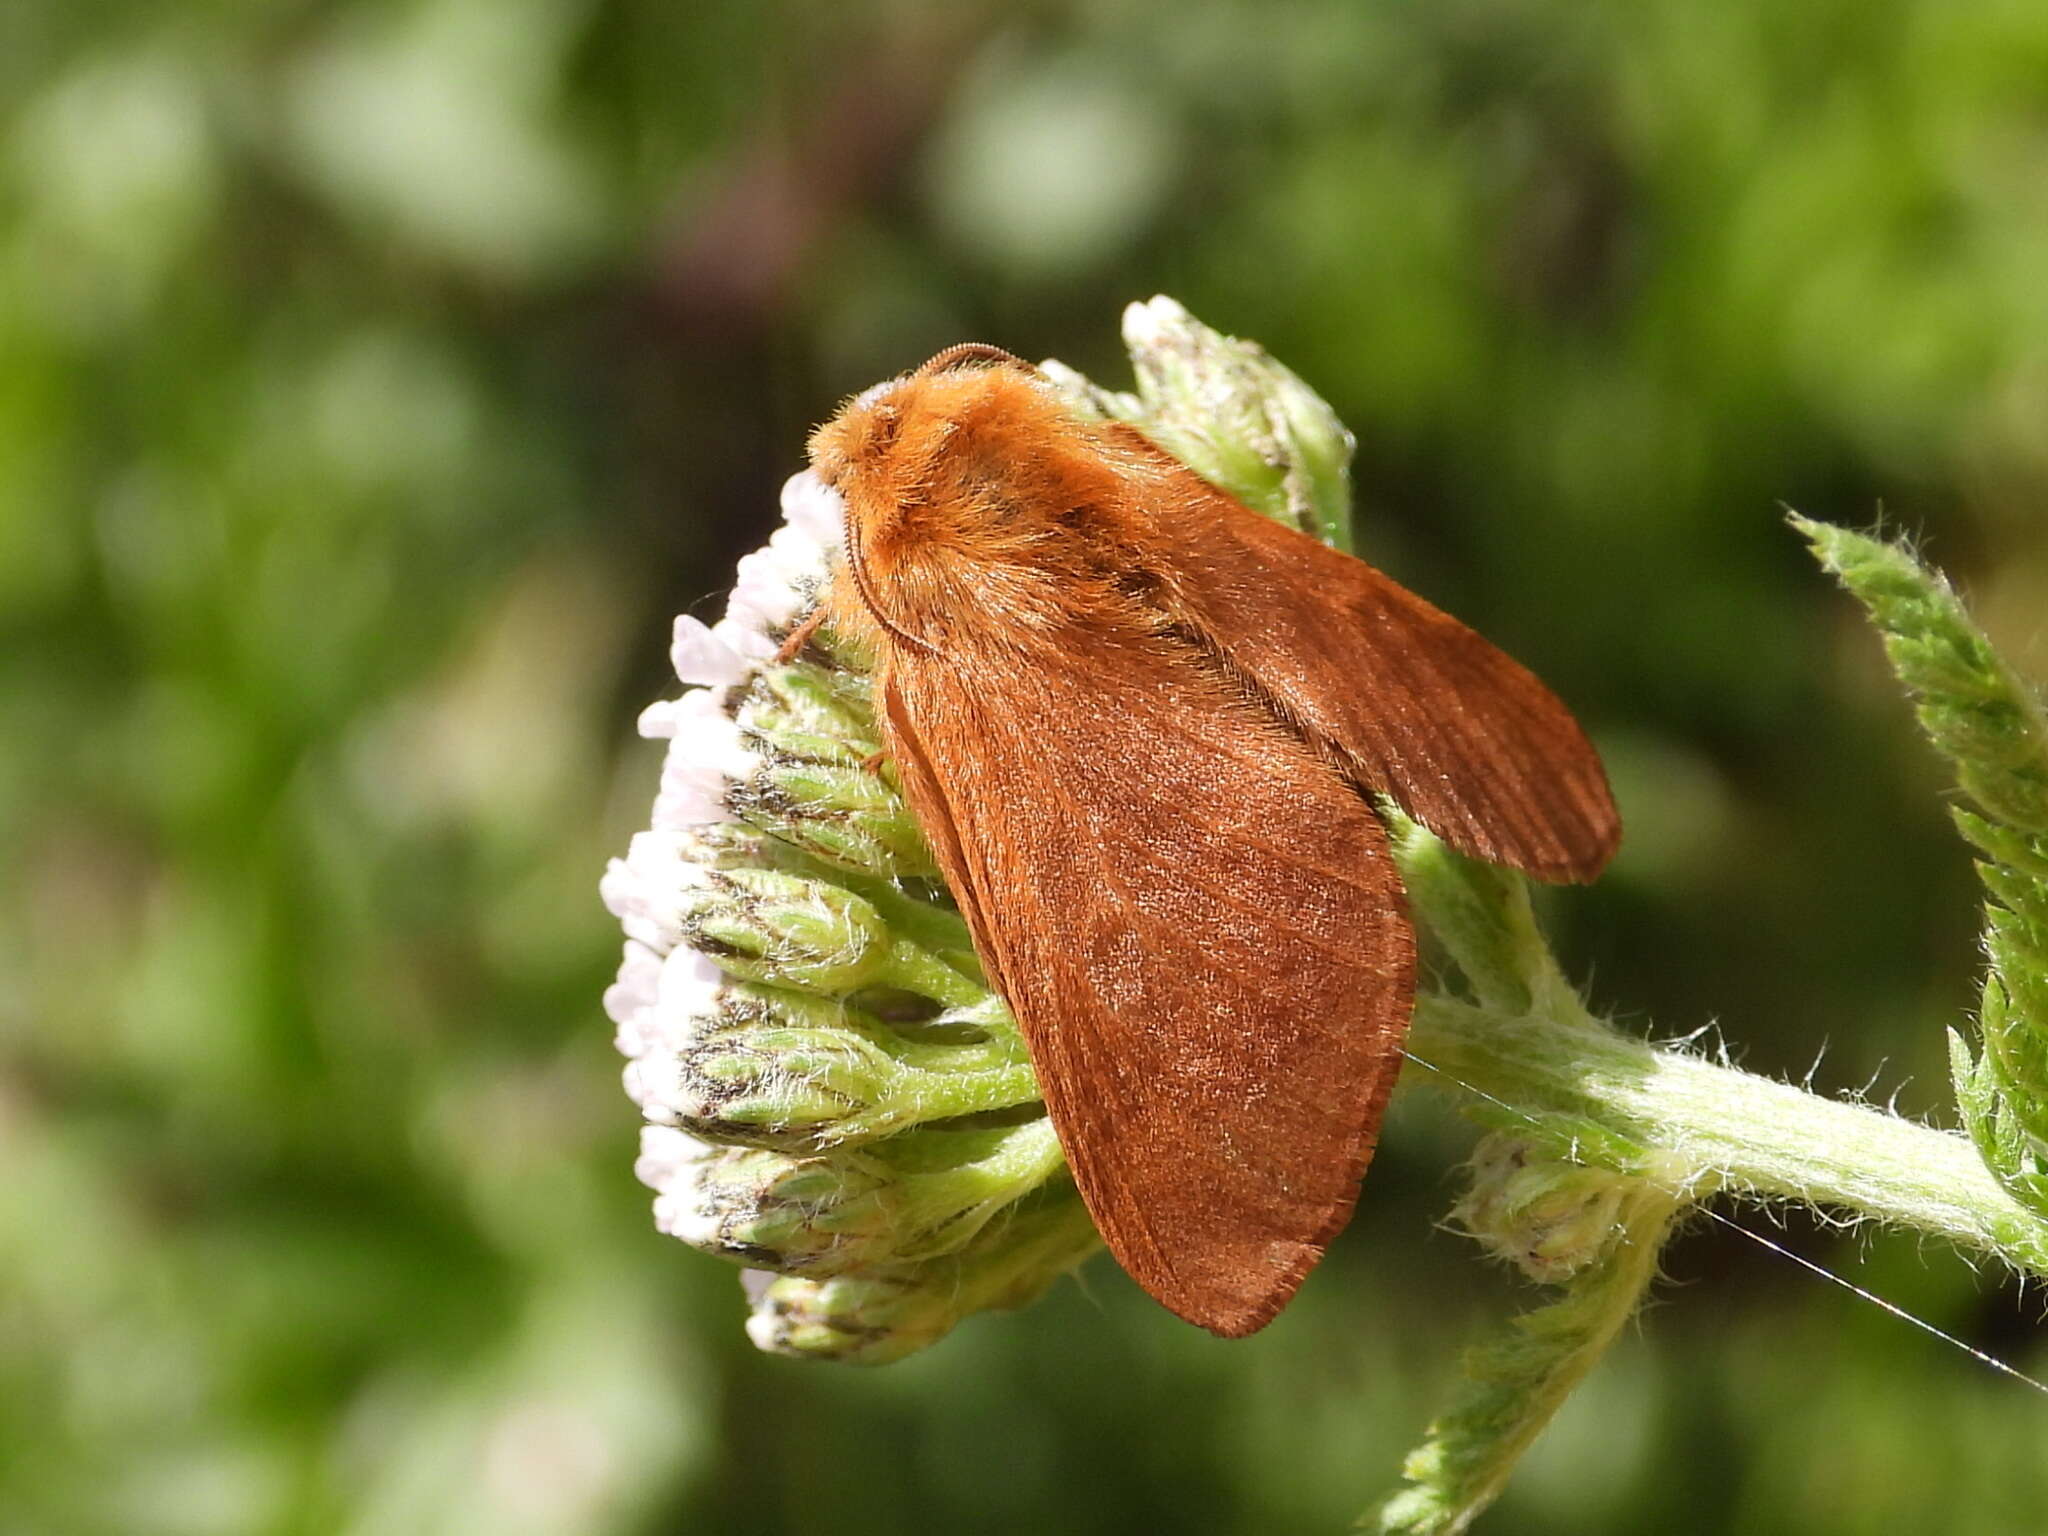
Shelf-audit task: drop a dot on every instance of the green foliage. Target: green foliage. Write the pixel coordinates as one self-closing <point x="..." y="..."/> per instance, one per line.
<point x="1597" y="1237"/>
<point x="1989" y="725"/>
<point x="377" y="377"/>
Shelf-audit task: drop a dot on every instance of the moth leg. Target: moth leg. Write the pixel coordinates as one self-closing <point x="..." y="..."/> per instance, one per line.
<point x="799" y="637"/>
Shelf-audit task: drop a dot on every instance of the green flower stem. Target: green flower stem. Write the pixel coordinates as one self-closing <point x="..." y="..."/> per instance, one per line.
<point x="1678" y="1128"/>
<point x="1480" y="913"/>
<point x="938" y="1082"/>
<point x="1700" y="1128"/>
<point x="945" y="941"/>
<point x="914" y="968"/>
<point x="949" y="1205"/>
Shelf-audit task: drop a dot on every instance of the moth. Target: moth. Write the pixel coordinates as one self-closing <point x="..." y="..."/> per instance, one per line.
<point x="1144" y="729"/>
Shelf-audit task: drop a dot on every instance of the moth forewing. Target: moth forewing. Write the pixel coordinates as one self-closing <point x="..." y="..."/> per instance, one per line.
<point x="1141" y="730"/>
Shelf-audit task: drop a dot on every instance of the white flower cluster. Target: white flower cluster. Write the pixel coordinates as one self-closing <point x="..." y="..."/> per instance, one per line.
<point x="665" y="990"/>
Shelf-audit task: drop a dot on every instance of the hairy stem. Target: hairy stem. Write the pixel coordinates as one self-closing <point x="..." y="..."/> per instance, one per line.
<point x="1703" y="1128"/>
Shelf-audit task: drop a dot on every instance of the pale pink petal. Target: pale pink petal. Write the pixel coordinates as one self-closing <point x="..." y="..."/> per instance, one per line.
<point x="637" y="1091"/>
<point x="682" y="803"/>
<point x="814" y="508"/>
<point x="763" y="597"/>
<point x="706" y="756"/>
<point x="665" y="1153"/>
<point x="715" y="741"/>
<point x="688" y="1218"/>
<point x="630" y="1000"/>
<point x="801" y="558"/>
<point x="701" y="656"/>
<point x="650" y="890"/>
<point x="659" y="1083"/>
<point x="746" y="634"/>
<point x="686" y="999"/>
<point x="672" y="717"/>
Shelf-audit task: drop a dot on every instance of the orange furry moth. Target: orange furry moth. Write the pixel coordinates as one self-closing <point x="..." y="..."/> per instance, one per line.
<point x="1144" y="728"/>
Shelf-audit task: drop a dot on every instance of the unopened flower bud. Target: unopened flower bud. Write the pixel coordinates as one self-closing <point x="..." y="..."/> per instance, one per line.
<point x="913" y="1198"/>
<point x="878" y="1314"/>
<point x="867" y="1317"/>
<point x="1548" y="1217"/>
<point x="794" y="1214"/>
<point x="769" y="1067"/>
<point x="846" y="816"/>
<point x="1239" y="419"/>
<point x="820" y="784"/>
<point x="773" y="1068"/>
<point x="787" y="930"/>
<point x="831" y="702"/>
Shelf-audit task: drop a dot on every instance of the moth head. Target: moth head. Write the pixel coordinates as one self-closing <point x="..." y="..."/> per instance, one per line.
<point x="860" y="435"/>
<point x="907" y="418"/>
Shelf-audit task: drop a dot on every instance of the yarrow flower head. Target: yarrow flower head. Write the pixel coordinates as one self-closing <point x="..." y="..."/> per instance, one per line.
<point x="834" y="1096"/>
<point x="808" y="1036"/>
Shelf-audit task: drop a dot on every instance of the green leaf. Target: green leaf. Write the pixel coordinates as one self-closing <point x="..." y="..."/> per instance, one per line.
<point x="1990" y="726"/>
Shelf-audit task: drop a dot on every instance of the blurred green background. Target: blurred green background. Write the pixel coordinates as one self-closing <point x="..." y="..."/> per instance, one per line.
<point x="377" y="378"/>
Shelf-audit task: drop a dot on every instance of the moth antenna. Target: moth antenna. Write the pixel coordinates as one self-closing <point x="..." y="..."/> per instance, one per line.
<point x="856" y="561"/>
<point x="969" y="352"/>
